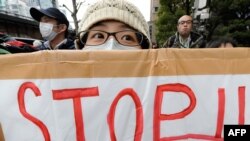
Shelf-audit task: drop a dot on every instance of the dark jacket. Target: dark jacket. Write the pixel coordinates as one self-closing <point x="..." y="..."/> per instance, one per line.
<point x="68" y="45"/>
<point x="197" y="41"/>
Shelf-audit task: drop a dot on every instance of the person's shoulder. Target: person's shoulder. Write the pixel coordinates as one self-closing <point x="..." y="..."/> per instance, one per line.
<point x="169" y="42"/>
<point x="196" y="35"/>
<point x="199" y="40"/>
<point x="69" y="44"/>
<point x="173" y="36"/>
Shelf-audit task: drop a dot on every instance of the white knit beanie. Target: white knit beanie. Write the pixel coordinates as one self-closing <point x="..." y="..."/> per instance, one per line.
<point x="120" y="10"/>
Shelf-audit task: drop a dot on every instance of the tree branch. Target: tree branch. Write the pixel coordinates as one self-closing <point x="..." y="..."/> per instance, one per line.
<point x="67" y="8"/>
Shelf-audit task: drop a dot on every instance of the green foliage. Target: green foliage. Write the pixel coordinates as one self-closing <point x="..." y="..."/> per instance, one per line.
<point x="230" y="18"/>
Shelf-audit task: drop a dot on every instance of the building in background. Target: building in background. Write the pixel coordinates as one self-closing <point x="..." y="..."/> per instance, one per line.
<point x="2" y="5"/>
<point x="21" y="7"/>
<point x="15" y="18"/>
<point x="46" y="3"/>
<point x="17" y="7"/>
<point x="200" y="15"/>
<point x="155" y="5"/>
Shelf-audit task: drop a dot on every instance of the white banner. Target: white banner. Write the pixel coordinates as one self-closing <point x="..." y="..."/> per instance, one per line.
<point x="54" y="99"/>
<point x="192" y="106"/>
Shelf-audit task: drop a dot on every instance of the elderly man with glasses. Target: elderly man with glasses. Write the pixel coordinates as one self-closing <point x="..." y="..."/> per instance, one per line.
<point x="185" y="37"/>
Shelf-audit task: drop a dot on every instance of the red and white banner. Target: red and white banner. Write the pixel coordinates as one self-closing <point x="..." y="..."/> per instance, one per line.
<point x="150" y="95"/>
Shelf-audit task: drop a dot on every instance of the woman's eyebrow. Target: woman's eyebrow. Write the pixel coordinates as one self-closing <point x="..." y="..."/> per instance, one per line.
<point x="97" y="25"/>
<point x="124" y="26"/>
<point x="121" y="26"/>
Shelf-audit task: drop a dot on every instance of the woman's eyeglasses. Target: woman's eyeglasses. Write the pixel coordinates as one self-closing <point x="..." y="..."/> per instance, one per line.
<point x="97" y="37"/>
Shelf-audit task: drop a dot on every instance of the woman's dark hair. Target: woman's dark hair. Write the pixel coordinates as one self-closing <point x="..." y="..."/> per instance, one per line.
<point x="217" y="42"/>
<point x="145" y="42"/>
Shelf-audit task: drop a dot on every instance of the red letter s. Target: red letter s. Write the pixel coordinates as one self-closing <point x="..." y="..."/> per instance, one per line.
<point x="21" y="103"/>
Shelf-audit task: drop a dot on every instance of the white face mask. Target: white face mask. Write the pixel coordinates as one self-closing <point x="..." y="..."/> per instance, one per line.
<point x="111" y="44"/>
<point x="46" y="29"/>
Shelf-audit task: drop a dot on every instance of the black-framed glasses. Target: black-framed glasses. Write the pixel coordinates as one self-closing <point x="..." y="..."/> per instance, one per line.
<point x="98" y="37"/>
<point x="187" y="22"/>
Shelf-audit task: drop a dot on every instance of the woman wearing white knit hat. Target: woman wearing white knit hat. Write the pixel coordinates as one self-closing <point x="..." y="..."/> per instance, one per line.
<point x="113" y="25"/>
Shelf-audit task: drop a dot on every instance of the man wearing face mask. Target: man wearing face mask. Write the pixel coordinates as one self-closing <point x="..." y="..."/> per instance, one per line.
<point x="53" y="26"/>
<point x="113" y="25"/>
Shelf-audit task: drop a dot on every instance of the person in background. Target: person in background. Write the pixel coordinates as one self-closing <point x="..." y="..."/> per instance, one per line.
<point x="185" y="37"/>
<point x="113" y="25"/>
<point x="223" y="42"/>
<point x="53" y="26"/>
<point x="154" y="45"/>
